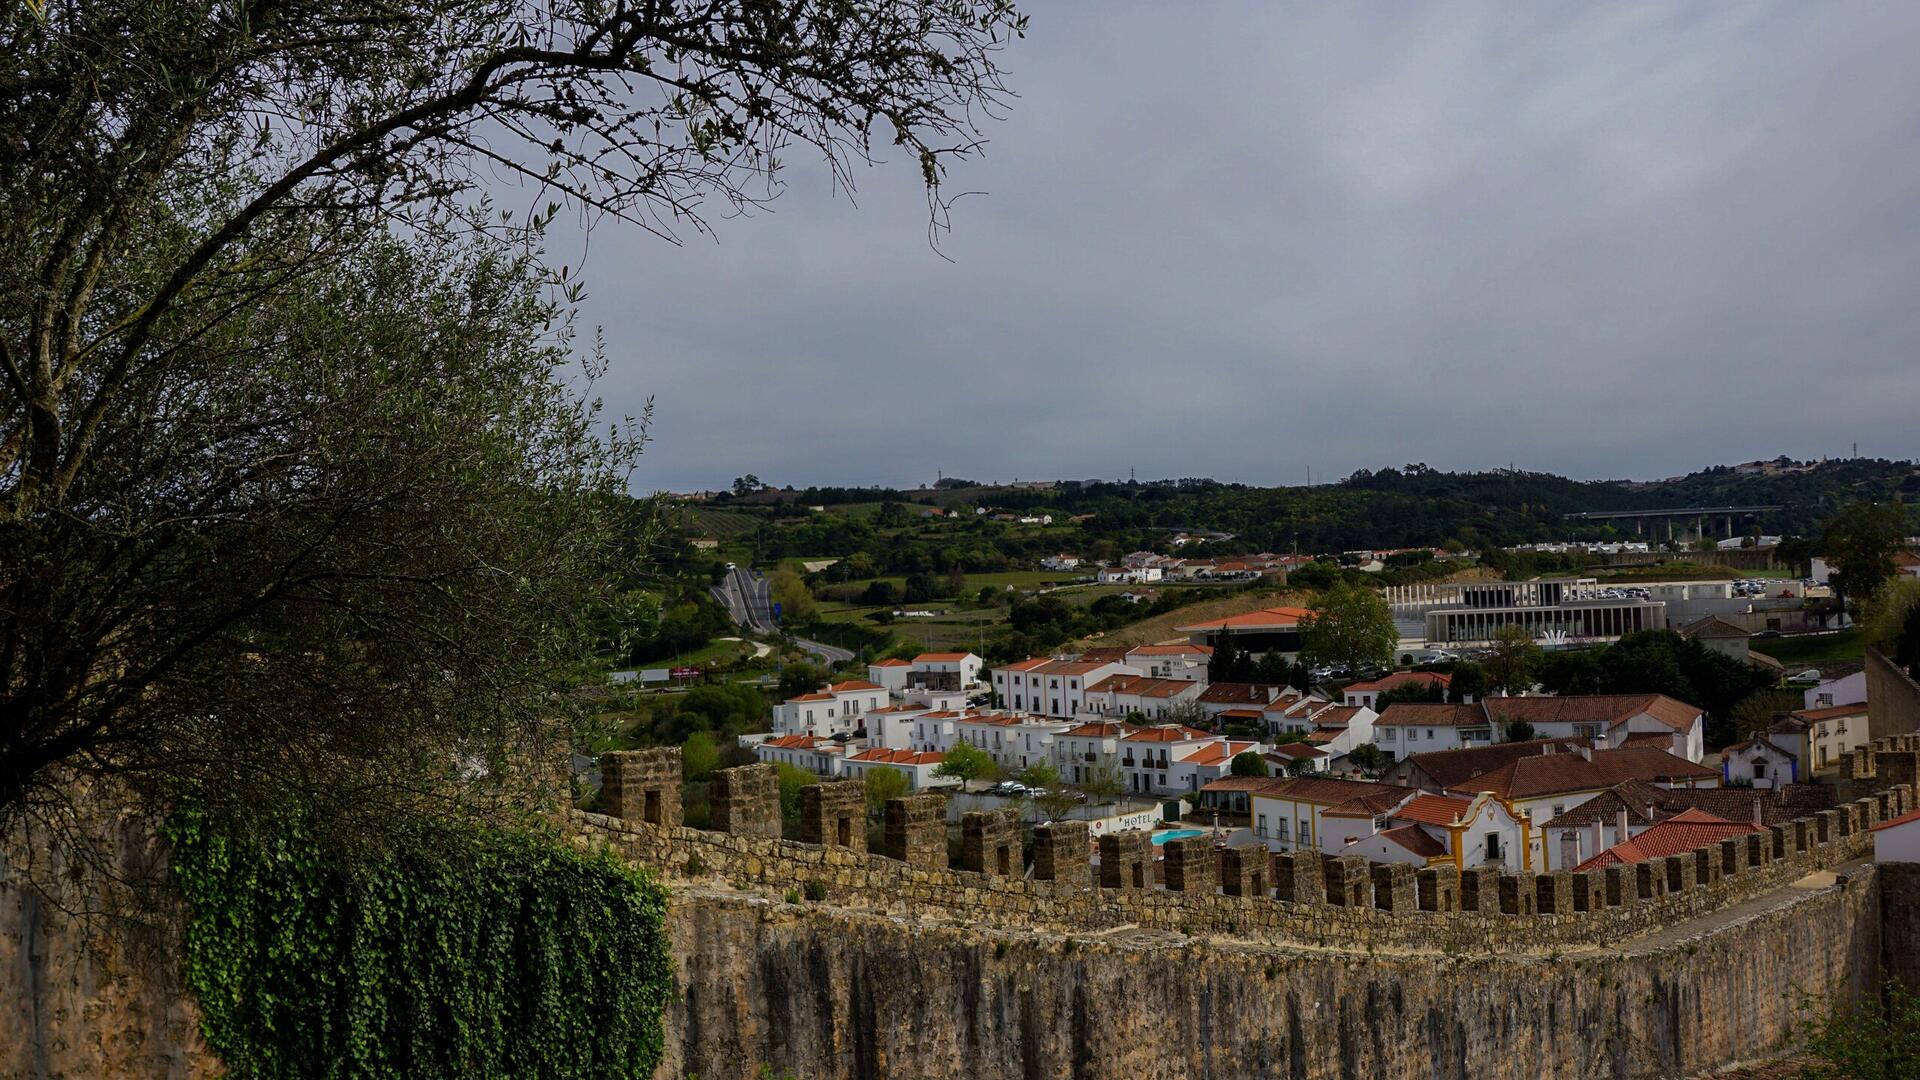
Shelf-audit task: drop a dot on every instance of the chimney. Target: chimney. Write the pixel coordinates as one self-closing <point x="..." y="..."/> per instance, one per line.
<point x="1599" y="838"/>
<point x="1547" y="748"/>
<point x="1759" y="818"/>
<point x="1585" y="752"/>
<point x="1620" y="826"/>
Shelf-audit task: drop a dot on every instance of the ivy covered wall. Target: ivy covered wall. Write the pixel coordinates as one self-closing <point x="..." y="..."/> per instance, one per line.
<point x="474" y="953"/>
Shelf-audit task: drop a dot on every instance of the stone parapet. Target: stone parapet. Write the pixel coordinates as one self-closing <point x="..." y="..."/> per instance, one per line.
<point x="746" y="800"/>
<point x="915" y="830"/>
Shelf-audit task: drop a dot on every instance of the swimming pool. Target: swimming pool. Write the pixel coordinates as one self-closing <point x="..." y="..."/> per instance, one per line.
<point x="1177" y="834"/>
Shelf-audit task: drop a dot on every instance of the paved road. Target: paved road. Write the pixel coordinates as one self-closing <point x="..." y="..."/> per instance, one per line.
<point x="748" y="600"/>
<point x="832" y="654"/>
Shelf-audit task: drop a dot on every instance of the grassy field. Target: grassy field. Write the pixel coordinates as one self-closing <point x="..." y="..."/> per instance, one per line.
<point x="719" y="524"/>
<point x="1803" y="650"/>
<point x="950" y="627"/>
<point x="1161" y="627"/>
<point x="1019" y="579"/>
<point x="714" y="652"/>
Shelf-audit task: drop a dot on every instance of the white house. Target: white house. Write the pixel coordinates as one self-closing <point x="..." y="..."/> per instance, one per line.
<point x="1612" y="720"/>
<point x="945" y="671"/>
<point x="917" y="765"/>
<point x="1086" y="750"/>
<point x="1128" y="575"/>
<point x="1060" y="562"/>
<point x="1423" y="828"/>
<point x="1056" y="688"/>
<point x="1759" y="763"/>
<point x="1830" y="734"/>
<point x="890" y="673"/>
<point x="1125" y="695"/>
<point x="838" y="709"/>
<point x="1183" y="661"/>
<point x="1840" y="691"/>
<point x="1014" y="740"/>
<point x="1897" y="839"/>
<point x="1288" y="813"/>
<point x="1418" y="727"/>
<point x="891" y="726"/>
<point x="1541" y="787"/>
<point x="821" y="757"/>
<point x="1148" y="755"/>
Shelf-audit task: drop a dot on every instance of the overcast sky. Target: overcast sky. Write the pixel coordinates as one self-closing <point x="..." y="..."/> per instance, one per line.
<point x="1242" y="240"/>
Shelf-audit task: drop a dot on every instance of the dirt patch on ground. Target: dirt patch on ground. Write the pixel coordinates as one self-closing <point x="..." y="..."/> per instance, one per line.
<point x="1160" y="628"/>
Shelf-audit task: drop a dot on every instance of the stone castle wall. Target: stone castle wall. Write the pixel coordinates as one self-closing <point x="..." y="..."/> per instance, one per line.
<point x="1303" y="898"/>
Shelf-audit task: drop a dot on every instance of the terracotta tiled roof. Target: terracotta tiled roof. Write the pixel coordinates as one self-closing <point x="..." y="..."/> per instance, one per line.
<point x="940" y="657"/>
<point x="890" y="662"/>
<point x="1167" y="733"/>
<point x="1365" y="806"/>
<point x="1325" y="792"/>
<point x="1239" y="693"/>
<point x="1237" y="783"/>
<point x="852" y="686"/>
<point x="1100" y="730"/>
<point x="1216" y="753"/>
<point x="1555" y="774"/>
<point x="1106" y="654"/>
<point x="1713" y="626"/>
<point x="1429" y="714"/>
<point x="1450" y="767"/>
<point x="793" y="742"/>
<point x="1656" y="739"/>
<point x="1170" y="650"/>
<point x="812" y="697"/>
<point x="1678" y="834"/>
<point x="1241" y="714"/>
<point x="1399" y="679"/>
<point x="1296" y="751"/>
<point x="1433" y="809"/>
<point x="1140" y="686"/>
<point x="1909" y="816"/>
<point x="1416" y="840"/>
<point x="1756" y="743"/>
<point x="898" y="757"/>
<point x="1610" y="709"/>
<point x="1273" y="618"/>
<point x="1832" y="712"/>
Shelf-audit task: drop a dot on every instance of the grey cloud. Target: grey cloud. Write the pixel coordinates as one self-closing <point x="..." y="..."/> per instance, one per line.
<point x="1605" y="240"/>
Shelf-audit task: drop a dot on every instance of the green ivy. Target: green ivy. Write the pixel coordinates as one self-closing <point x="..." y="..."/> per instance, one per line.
<point x="475" y="954"/>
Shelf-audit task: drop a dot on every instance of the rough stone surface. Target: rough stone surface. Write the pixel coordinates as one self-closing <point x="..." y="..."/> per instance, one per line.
<point x="915" y="830"/>
<point x="990" y="843"/>
<point x="1189" y="863"/>
<point x="1062" y="852"/>
<point x="834" y="814"/>
<point x="642" y="785"/>
<point x="746" y="800"/>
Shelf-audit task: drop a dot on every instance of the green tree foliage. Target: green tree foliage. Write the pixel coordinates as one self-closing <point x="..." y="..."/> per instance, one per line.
<point x="463" y="952"/>
<point x="1367" y="758"/>
<point x="1515" y="730"/>
<point x="1871" y="1039"/>
<point x="1351" y="627"/>
<point x="801" y="678"/>
<point x="1228" y="662"/>
<point x="882" y="785"/>
<point x="724" y="709"/>
<point x="1416" y="693"/>
<point x="699" y="756"/>
<point x="1894" y="626"/>
<point x="791" y="593"/>
<point x="290" y="436"/>
<point x="1466" y="682"/>
<point x="792" y="779"/>
<point x="1248" y="763"/>
<point x="1660" y="662"/>
<point x="1860" y="543"/>
<point x="966" y="763"/>
<point x="1515" y="657"/>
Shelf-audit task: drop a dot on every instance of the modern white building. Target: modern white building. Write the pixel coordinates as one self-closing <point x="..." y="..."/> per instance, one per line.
<point x="1610" y="721"/>
<point x="945" y="671"/>
<point x="1183" y="661"/>
<point x="821" y="757"/>
<point x="838" y="709"/>
<point x="1056" y="688"/>
<point x="1366" y="694"/>
<point x="1087" y="750"/>
<point x="917" y="766"/>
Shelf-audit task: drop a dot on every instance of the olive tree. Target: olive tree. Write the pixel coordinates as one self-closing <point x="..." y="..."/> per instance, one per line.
<point x="302" y="486"/>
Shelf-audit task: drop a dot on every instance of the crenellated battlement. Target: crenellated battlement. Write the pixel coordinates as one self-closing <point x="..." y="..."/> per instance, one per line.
<point x="1300" y="897"/>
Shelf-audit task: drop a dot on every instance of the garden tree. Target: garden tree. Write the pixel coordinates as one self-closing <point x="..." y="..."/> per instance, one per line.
<point x="1510" y="664"/>
<point x="919" y="588"/>
<point x="1661" y="662"/>
<point x="299" y="493"/>
<point x="1416" y="693"/>
<point x="1300" y="767"/>
<point x="1367" y="758"/>
<point x="792" y="779"/>
<point x="1104" y="783"/>
<point x="956" y="583"/>
<point x="1860" y="542"/>
<point x="1875" y="1038"/>
<point x="1054" y="799"/>
<point x="1273" y="669"/>
<point x="1466" y="682"/>
<point x="1513" y="730"/>
<point x="884" y="784"/>
<point x="1350" y="627"/>
<point x="800" y="678"/>
<point x="880" y="593"/>
<point x="1894" y="625"/>
<point x="791" y="593"/>
<point x="746" y="485"/>
<point x="699" y="756"/>
<point x="1228" y="663"/>
<point x="1300" y="676"/>
<point x="1248" y="763"/>
<point x="1189" y="713"/>
<point x="966" y="763"/>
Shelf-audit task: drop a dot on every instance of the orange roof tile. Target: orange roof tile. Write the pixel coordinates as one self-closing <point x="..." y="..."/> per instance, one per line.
<point x="1433" y="809"/>
<point x="940" y="657"/>
<point x="890" y="662"/>
<point x="898" y="757"/>
<point x="1167" y="733"/>
<point x="1401" y="678"/>
<point x="851" y="686"/>
<point x="1677" y="835"/>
